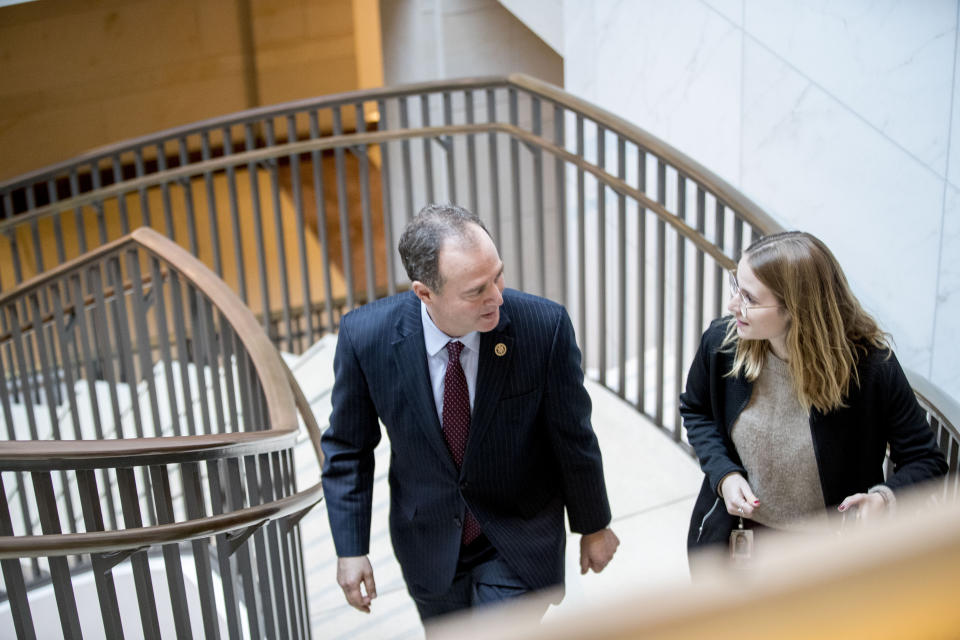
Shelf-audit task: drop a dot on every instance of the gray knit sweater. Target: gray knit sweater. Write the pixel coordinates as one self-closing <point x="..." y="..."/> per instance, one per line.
<point x="774" y="441"/>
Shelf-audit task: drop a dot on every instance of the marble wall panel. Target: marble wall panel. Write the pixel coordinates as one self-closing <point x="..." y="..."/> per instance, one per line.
<point x="889" y="62"/>
<point x="945" y="365"/>
<point x="815" y="166"/>
<point x="674" y="69"/>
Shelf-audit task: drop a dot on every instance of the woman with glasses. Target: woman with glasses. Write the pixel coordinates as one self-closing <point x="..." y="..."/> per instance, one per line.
<point x="792" y="401"/>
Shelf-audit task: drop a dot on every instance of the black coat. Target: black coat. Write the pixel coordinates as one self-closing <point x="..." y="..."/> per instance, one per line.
<point x="849" y="443"/>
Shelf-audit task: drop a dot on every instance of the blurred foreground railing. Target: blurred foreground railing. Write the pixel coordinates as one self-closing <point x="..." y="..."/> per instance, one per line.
<point x="144" y="410"/>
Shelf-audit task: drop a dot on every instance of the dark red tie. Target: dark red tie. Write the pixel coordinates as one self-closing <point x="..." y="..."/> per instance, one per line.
<point x="456" y="422"/>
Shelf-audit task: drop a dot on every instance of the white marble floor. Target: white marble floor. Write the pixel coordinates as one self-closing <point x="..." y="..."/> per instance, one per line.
<point x="650" y="481"/>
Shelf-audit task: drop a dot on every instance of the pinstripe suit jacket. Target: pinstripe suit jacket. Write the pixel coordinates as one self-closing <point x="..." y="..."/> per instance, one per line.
<point x="531" y="449"/>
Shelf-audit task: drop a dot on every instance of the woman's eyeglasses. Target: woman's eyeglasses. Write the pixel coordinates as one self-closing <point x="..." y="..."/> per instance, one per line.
<point x="744" y="306"/>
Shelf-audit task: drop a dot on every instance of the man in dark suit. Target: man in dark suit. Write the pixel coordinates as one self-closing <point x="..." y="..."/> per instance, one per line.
<point x="481" y="393"/>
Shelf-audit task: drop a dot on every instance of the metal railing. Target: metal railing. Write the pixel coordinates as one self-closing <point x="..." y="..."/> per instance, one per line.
<point x="146" y="411"/>
<point x="297" y="207"/>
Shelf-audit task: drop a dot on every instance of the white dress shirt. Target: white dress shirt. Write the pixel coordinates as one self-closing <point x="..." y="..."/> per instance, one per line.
<point x="436" y="343"/>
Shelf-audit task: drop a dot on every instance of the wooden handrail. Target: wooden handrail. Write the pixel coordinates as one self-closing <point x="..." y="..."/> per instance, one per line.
<point x="110" y="541"/>
<point x="280" y="404"/>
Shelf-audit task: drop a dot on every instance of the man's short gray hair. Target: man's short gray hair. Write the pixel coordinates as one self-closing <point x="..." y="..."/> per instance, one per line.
<point x="424" y="236"/>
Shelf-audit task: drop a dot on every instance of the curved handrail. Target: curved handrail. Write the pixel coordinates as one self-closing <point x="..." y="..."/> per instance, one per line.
<point x="690" y="167"/>
<point x="369" y="138"/>
<point x="64" y="544"/>
<point x="282" y="395"/>
<point x="279" y="397"/>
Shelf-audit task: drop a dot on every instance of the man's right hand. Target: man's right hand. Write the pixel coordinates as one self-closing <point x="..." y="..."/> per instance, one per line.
<point x="351" y="573"/>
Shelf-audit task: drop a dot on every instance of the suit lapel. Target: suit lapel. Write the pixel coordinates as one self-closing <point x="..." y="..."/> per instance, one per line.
<point x="491" y="375"/>
<point x="410" y="360"/>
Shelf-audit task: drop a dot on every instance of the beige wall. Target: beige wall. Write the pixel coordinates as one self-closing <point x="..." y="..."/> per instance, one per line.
<point x="75" y="75"/>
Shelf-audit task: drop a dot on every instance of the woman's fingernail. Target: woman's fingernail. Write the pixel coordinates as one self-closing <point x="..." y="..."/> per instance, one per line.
<point x="756" y="502"/>
<point x="841" y="508"/>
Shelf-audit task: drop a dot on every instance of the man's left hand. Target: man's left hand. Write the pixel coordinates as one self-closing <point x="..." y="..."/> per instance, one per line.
<point x="596" y="550"/>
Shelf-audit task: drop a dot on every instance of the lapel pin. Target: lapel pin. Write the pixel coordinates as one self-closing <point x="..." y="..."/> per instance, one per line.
<point x="500" y="349"/>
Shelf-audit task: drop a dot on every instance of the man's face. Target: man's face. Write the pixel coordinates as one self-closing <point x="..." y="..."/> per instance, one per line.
<point x="472" y="276"/>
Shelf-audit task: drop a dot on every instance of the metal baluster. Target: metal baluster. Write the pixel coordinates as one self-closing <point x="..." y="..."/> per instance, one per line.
<point x="57" y="223"/>
<point x="280" y="240"/>
<point x="622" y="271"/>
<point x="163" y="339"/>
<point x="14" y="246"/>
<point x="471" y="151"/>
<point x="494" y="171"/>
<point x="77" y="213"/>
<point x="679" y="304"/>
<point x="160" y="481"/>
<point x="47" y="367"/>
<point x="718" y="275"/>
<point x="602" y="255"/>
<point x="98" y="203"/>
<point x="193" y="495"/>
<point x="121" y="199"/>
<point x="661" y="290"/>
<point x="405" y="155"/>
<point x="143" y="336"/>
<point x="559" y="134"/>
<point x="538" y="199"/>
<point x="183" y="356"/>
<point x="25" y="376"/>
<point x="581" y="245"/>
<point x="102" y="567"/>
<point x="320" y="205"/>
<point x="13" y="582"/>
<point x="306" y="306"/>
<point x="385" y="176"/>
<point x="641" y="282"/>
<point x="361" y="153"/>
<point x="227" y="339"/>
<point x="225" y="564"/>
<point x="698" y="282"/>
<point x="342" y="207"/>
<point x="165" y="192"/>
<point x="143" y="583"/>
<point x="198" y="352"/>
<point x="59" y="569"/>
<point x="447" y="144"/>
<point x="90" y="373"/>
<point x="235" y="217"/>
<point x="515" y="181"/>
<point x="187" y="186"/>
<point x="144" y="200"/>
<point x="245" y="567"/>
<point x="271" y="534"/>
<point x="207" y="328"/>
<point x="258" y="233"/>
<point x="214" y="221"/>
<point x="427" y="151"/>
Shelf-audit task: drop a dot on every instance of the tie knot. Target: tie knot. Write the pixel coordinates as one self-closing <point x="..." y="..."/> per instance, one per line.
<point x="454" y="347"/>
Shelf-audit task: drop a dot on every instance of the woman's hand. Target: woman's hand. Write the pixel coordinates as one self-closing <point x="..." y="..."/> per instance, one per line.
<point x="738" y="496"/>
<point x="867" y="505"/>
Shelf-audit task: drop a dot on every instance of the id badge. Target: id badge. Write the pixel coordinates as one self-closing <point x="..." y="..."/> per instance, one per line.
<point x="741" y="543"/>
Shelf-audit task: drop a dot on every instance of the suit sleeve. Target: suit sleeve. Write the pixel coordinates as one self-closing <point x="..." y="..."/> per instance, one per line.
<point x="567" y="407"/>
<point x="705" y="430"/>
<point x="913" y="447"/>
<point x="348" y="446"/>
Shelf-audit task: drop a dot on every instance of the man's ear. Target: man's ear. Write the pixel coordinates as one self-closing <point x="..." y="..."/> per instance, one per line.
<point x="423" y="291"/>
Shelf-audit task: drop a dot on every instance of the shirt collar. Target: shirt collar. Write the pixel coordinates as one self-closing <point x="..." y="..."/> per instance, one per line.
<point x="435" y="340"/>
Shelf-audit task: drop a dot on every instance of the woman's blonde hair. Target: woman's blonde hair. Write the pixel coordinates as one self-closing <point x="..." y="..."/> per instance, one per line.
<point x="827" y="329"/>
